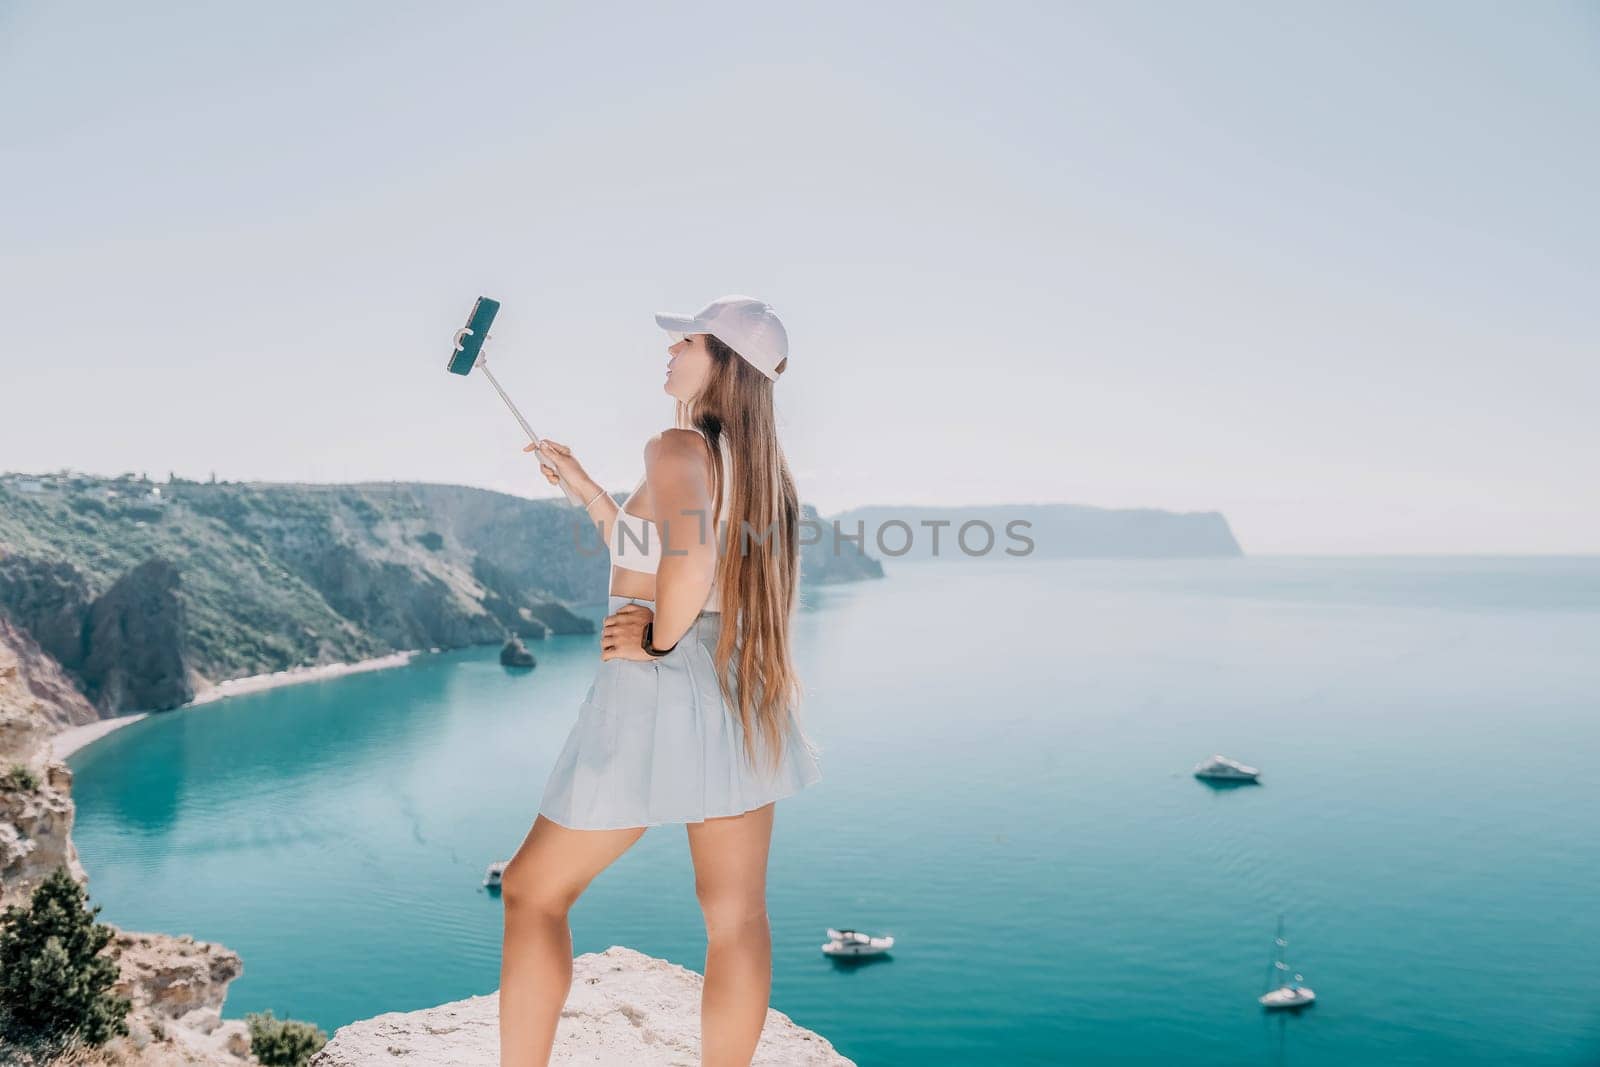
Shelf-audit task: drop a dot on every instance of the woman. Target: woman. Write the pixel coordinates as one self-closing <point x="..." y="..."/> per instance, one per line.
<point x="693" y="714"/>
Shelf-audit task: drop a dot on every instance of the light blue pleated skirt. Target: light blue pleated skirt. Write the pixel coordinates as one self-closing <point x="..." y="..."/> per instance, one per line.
<point x="656" y="743"/>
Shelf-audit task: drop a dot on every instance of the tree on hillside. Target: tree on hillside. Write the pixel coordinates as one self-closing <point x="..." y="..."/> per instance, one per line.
<point x="55" y="986"/>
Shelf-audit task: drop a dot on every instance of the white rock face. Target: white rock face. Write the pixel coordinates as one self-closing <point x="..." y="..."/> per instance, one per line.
<point x="177" y="986"/>
<point x="36" y="821"/>
<point x="626" y="1009"/>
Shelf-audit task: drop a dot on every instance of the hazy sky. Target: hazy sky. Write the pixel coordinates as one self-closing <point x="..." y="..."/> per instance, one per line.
<point x="1333" y="269"/>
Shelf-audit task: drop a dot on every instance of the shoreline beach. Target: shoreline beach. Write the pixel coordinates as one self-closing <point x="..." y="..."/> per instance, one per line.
<point x="74" y="738"/>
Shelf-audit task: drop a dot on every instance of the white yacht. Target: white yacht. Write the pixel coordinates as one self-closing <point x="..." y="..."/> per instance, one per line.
<point x="856" y="943"/>
<point x="491" y="877"/>
<point x="1223" y="769"/>
<point x="1286" y="992"/>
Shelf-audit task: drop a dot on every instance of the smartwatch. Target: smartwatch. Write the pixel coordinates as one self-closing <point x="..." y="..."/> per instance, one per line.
<point x="646" y="641"/>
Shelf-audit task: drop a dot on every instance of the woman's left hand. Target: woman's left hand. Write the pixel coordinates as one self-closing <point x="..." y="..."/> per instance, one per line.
<point x="621" y="636"/>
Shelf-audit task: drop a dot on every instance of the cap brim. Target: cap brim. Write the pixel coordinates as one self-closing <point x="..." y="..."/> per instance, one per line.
<point x="678" y="323"/>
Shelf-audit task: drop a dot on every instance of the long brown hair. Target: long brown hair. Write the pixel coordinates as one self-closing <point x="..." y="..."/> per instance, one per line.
<point x="758" y="565"/>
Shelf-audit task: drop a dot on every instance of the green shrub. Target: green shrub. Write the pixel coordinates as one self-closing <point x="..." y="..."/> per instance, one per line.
<point x="283" y="1042"/>
<point x="19" y="779"/>
<point x="55" y="986"/>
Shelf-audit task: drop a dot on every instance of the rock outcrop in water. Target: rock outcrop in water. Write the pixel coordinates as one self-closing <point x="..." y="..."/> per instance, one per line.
<point x="516" y="654"/>
<point x="625" y="1008"/>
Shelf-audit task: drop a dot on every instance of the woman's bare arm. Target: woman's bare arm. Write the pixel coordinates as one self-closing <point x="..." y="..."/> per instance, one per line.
<point x="554" y="458"/>
<point x="677" y="468"/>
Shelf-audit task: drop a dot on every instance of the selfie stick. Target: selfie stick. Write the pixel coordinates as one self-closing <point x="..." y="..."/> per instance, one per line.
<point x="469" y="353"/>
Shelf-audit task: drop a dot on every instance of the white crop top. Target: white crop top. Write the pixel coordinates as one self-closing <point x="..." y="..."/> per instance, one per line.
<point x="635" y="542"/>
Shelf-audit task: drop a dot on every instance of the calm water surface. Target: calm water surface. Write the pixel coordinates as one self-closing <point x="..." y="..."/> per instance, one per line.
<point x="1006" y="790"/>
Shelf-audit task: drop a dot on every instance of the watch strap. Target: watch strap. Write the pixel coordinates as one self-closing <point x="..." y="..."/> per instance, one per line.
<point x="647" y="641"/>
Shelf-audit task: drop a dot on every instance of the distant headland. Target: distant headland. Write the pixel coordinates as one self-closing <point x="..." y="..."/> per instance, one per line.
<point x="1040" y="531"/>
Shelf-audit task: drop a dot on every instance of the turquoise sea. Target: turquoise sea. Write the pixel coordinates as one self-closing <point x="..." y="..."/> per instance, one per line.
<point x="1007" y="746"/>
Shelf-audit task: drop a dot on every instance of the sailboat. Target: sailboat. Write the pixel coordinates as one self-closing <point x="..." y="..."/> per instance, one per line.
<point x="1284" y="992"/>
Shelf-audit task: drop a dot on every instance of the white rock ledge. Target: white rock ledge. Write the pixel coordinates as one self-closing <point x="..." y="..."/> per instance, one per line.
<point x="625" y="1008"/>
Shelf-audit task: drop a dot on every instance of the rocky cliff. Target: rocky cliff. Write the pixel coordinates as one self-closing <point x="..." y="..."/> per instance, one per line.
<point x="626" y="1009"/>
<point x="36" y="700"/>
<point x="176" y="984"/>
<point x="134" y="641"/>
<point x="52" y="701"/>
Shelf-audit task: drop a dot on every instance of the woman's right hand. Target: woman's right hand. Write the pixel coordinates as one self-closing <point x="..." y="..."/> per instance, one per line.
<point x="557" y="461"/>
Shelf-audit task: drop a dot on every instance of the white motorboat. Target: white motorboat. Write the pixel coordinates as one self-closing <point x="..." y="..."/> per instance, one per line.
<point x="1295" y="996"/>
<point x="1223" y="769"/>
<point x="856" y="943"/>
<point x="491" y="877"/>
<point x="1286" y="992"/>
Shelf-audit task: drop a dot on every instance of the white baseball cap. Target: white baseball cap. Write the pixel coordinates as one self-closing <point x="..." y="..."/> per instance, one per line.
<point x="748" y="326"/>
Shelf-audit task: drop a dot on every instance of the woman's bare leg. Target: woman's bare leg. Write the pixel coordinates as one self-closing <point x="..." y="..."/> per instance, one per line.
<point x="538" y="887"/>
<point x="730" y="878"/>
